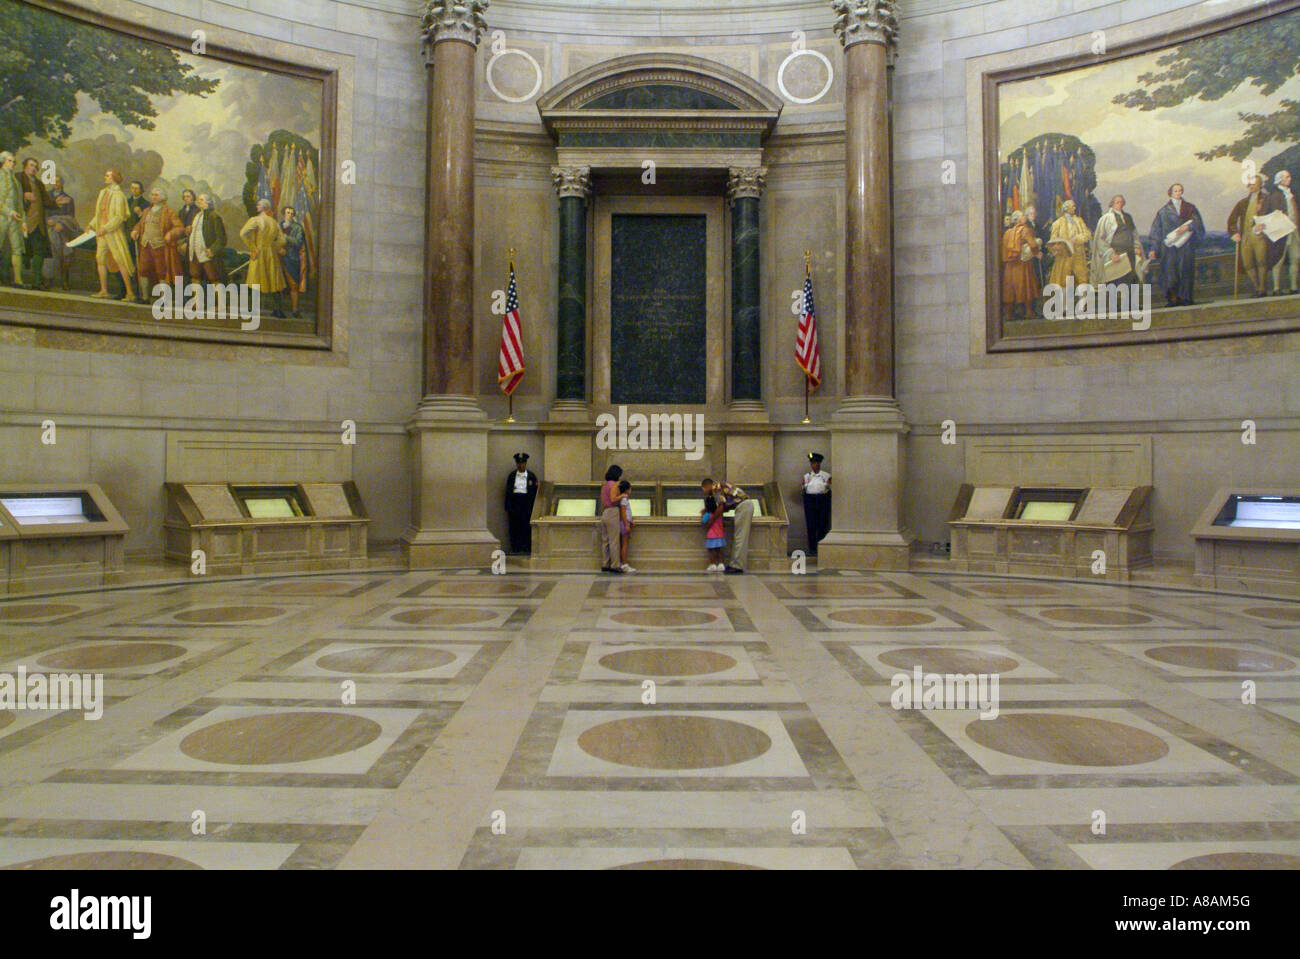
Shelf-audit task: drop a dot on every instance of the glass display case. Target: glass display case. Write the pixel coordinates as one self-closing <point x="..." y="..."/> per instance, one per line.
<point x="33" y="509"/>
<point x="1259" y="511"/>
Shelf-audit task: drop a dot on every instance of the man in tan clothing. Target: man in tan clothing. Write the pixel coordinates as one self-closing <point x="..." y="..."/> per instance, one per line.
<point x="265" y="241"/>
<point x="1069" y="243"/>
<point x="156" y="237"/>
<point x="109" y="224"/>
<point x="11" y="215"/>
<point x="1255" y="255"/>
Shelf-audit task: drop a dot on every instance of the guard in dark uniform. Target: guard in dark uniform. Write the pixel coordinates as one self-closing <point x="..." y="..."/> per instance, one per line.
<point x="521" y="492"/>
<point x="816" y="501"/>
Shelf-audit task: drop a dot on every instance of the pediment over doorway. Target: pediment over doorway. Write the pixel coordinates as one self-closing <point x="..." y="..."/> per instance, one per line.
<point x="659" y="99"/>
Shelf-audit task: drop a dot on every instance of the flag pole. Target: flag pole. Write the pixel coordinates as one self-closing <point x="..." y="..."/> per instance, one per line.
<point x="807" y="272"/>
<point x="510" y="397"/>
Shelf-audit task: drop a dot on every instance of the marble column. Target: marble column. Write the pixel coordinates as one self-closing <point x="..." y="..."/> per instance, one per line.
<point x="868" y="430"/>
<point x="568" y="430"/>
<point x="749" y="433"/>
<point x="574" y="187"/>
<point x="744" y="187"/>
<point x="449" y="430"/>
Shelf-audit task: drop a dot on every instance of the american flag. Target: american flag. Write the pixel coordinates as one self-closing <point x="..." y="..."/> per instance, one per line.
<point x="510" y="366"/>
<point x="805" y="343"/>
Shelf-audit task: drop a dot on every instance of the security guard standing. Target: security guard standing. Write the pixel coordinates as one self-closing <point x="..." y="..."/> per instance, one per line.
<point x="816" y="502"/>
<point x="521" y="492"/>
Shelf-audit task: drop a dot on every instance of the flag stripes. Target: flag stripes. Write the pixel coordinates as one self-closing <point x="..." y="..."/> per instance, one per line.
<point x="510" y="364"/>
<point x="805" y="344"/>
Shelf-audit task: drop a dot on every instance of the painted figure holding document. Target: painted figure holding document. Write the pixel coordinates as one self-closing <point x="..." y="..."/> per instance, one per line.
<point x="1289" y="261"/>
<point x="1255" y="254"/>
<point x="1175" y="234"/>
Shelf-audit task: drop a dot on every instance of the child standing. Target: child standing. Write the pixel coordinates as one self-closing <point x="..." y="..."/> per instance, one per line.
<point x="715" y="538"/>
<point x="624" y="501"/>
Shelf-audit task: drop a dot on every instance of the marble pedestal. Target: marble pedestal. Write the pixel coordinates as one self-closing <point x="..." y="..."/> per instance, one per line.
<point x="867" y="532"/>
<point x="566" y="439"/>
<point x="449" y="504"/>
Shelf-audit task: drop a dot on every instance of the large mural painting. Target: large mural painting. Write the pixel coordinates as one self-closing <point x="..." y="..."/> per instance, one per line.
<point x="130" y="162"/>
<point x="1165" y="174"/>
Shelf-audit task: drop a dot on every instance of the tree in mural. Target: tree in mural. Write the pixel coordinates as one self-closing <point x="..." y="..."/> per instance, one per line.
<point x="47" y="61"/>
<point x="1264" y="54"/>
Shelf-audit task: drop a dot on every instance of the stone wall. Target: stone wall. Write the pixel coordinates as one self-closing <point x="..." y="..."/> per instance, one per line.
<point x="115" y="398"/>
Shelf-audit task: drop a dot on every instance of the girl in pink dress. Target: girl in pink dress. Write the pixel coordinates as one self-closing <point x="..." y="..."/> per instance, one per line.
<point x="715" y="538"/>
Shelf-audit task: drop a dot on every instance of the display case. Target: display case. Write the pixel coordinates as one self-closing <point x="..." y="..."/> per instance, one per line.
<point x="59" y="536"/>
<point x="1249" y="540"/>
<point x="1052" y="530"/>
<point x="667" y="533"/>
<point x="266" y="527"/>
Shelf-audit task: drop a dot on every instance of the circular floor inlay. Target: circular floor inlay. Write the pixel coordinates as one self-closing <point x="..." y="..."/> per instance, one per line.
<point x="280" y="738"/>
<point x="850" y="590"/>
<point x="685" y="864"/>
<point x="480" y="589"/>
<point x="28" y="611"/>
<point x="445" y="616"/>
<point x="1067" y="740"/>
<point x="1288" y="614"/>
<point x="228" y="614"/>
<point x="940" y="659"/>
<point x="1094" y="616"/>
<point x="1015" y="589"/>
<point x="1221" y="659"/>
<point x="113" y="860"/>
<point x="674" y="742"/>
<point x="666" y="662"/>
<point x="1240" y="860"/>
<point x="112" y="655"/>
<point x="881" y="617"/>
<point x="664" y="590"/>
<point x="663" y="617"/>
<point x="309" y="588"/>
<point x="385" y="659"/>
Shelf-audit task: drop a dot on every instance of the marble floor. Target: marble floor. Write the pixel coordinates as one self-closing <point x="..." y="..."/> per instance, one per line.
<point x="527" y="721"/>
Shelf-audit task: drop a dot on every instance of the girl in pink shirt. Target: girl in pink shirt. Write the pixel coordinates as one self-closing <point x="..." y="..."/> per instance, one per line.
<point x="715" y="538"/>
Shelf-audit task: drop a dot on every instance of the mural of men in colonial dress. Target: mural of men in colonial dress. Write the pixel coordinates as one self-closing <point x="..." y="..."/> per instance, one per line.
<point x="1069" y="245"/>
<point x="1255" y="254"/>
<point x="295" y="238"/>
<point x="61" y="219"/>
<point x="1176" y="232"/>
<point x="1020" y="250"/>
<point x="206" y="240"/>
<point x="1116" y="244"/>
<point x="1290" y="258"/>
<point x="36" y="199"/>
<point x="11" y="215"/>
<point x="156" y="237"/>
<point x="265" y="241"/>
<point x="109" y="224"/>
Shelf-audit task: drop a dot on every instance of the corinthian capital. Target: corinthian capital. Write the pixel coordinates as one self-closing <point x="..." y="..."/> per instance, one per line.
<point x="453" y="20"/>
<point x="572" y="181"/>
<point x="866" y="21"/>
<point x="745" y="182"/>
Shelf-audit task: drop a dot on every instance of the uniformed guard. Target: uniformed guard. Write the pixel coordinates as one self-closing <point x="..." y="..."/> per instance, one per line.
<point x="521" y="492"/>
<point x="816" y="501"/>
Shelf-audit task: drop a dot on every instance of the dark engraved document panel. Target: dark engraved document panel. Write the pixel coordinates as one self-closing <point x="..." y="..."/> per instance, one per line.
<point x="657" y="308"/>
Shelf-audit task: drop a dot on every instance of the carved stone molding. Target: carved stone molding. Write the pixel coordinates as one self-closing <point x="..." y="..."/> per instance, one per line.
<point x="453" y="20"/>
<point x="745" y="182"/>
<point x="866" y="21"/>
<point x="572" y="181"/>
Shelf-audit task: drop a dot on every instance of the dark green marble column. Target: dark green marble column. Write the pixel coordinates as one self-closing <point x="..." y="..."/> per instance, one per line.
<point x="744" y="188"/>
<point x="574" y="185"/>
